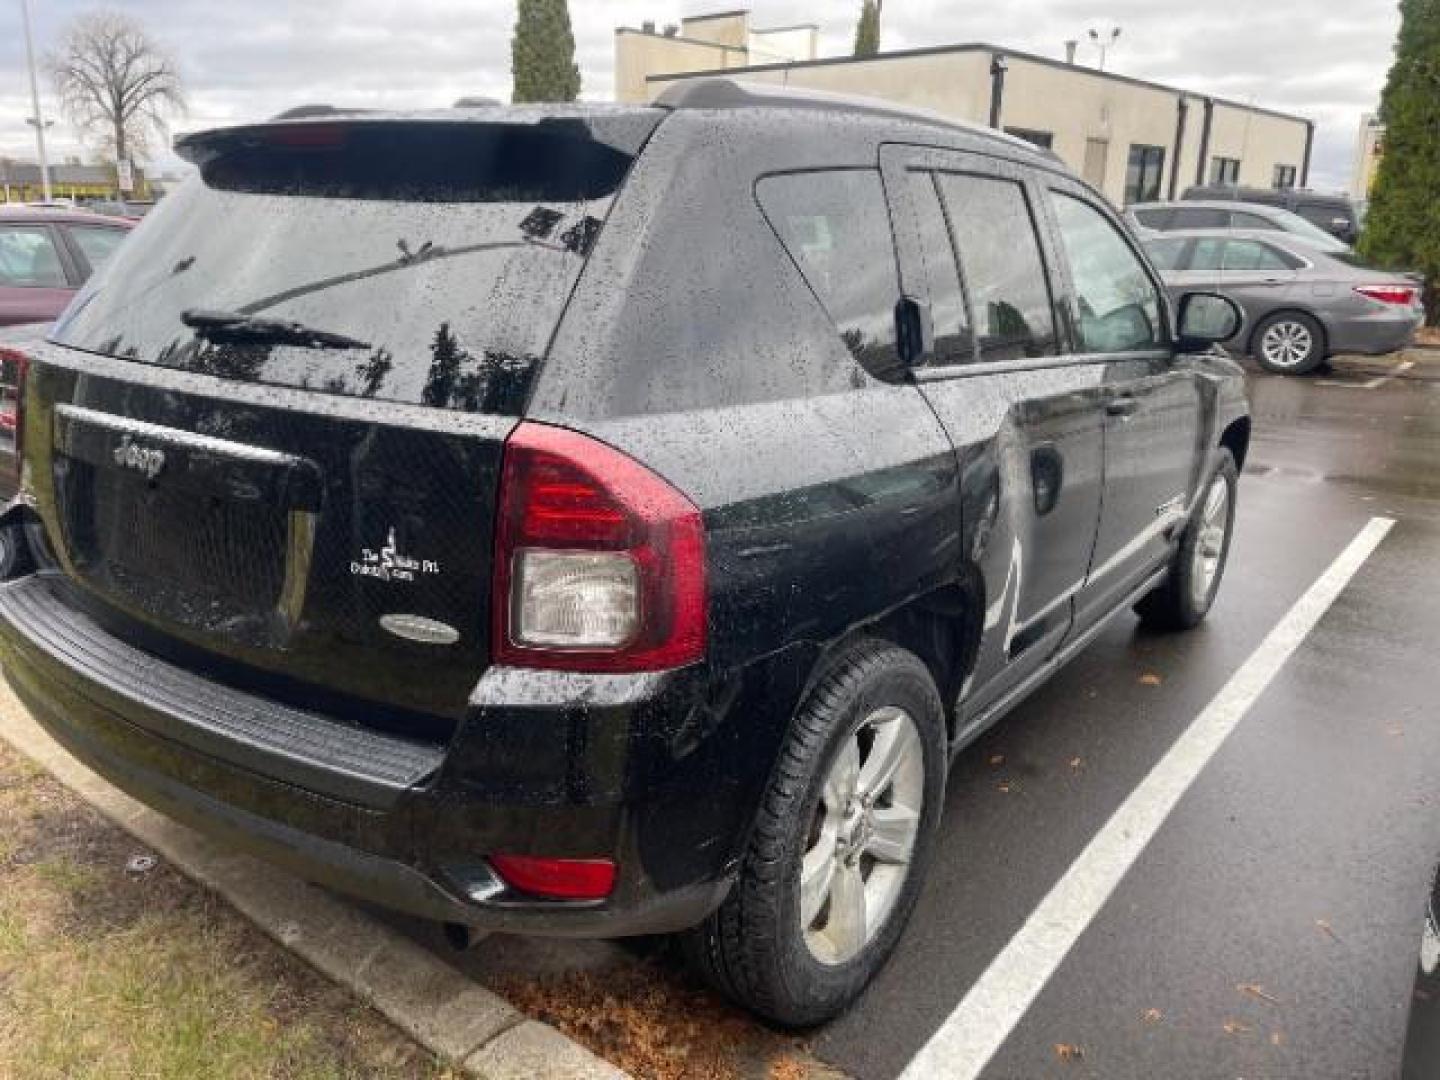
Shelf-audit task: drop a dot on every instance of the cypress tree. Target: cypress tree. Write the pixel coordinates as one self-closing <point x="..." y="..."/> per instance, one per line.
<point x="1402" y="229"/>
<point x="867" y="30"/>
<point x="542" y="56"/>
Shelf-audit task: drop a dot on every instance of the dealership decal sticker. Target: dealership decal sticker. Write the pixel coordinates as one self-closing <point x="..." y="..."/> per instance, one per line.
<point x="390" y="564"/>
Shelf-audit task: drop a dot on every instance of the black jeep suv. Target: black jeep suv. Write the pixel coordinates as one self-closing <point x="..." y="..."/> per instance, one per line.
<point x="602" y="521"/>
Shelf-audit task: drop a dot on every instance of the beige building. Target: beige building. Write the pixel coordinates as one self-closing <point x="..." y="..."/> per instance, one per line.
<point x="1368" y="151"/>
<point x="1135" y="140"/>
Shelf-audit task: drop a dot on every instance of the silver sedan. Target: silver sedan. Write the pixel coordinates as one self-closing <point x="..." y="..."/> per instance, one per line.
<point x="1301" y="305"/>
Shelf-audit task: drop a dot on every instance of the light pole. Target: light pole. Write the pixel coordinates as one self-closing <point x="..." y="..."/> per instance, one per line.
<point x="1103" y="42"/>
<point x="37" y="120"/>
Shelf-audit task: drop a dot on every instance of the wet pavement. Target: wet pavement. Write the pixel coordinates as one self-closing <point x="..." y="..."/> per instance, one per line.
<point x="1271" y="927"/>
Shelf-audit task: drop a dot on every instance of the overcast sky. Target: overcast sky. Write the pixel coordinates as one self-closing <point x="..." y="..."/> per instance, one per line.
<point x="1324" y="59"/>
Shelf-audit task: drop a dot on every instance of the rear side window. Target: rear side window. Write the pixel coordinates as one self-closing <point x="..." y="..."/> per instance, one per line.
<point x="28" y="258"/>
<point x="954" y="338"/>
<point x="1201" y="217"/>
<point x="836" y="226"/>
<point x="1166" y="254"/>
<point x="437" y="258"/>
<point x="1253" y="221"/>
<point x="1238" y="255"/>
<point x="1154" y="219"/>
<point x="995" y="236"/>
<point x="1252" y="255"/>
<point x="96" y="242"/>
<point x="1119" y="306"/>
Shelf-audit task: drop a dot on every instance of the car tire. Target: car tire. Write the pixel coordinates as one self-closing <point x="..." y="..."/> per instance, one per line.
<point x="1188" y="592"/>
<point x="1289" y="343"/>
<point x="784" y="943"/>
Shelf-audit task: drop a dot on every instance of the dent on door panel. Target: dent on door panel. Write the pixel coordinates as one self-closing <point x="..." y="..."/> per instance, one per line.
<point x="1031" y="470"/>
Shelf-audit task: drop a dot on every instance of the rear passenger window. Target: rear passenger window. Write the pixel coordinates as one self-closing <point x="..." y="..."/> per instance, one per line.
<point x="1201" y="217"/>
<point x="999" y="250"/>
<point x="836" y="227"/>
<point x="1252" y="255"/>
<point x="954" y="339"/>
<point x="1253" y="221"/>
<point x="1166" y="254"/>
<point x="1119" y="306"/>
<point x="1209" y="254"/>
<point x="96" y="242"/>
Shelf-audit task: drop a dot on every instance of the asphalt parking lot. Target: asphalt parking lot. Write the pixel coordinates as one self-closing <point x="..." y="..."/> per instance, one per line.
<point x="1271" y="926"/>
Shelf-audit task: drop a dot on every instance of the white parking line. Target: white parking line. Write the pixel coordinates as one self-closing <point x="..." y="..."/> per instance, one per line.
<point x="1369" y="384"/>
<point x="967" y="1040"/>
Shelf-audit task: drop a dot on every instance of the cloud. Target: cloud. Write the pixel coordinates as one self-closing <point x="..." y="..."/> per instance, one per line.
<point x="1321" y="58"/>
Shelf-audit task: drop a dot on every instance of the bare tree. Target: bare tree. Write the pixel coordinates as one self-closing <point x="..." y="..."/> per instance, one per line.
<point x="114" y="81"/>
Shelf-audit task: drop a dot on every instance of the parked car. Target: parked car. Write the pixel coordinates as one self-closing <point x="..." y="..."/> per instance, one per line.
<point x="130" y="209"/>
<point x="46" y="255"/>
<point x="622" y="534"/>
<point x="1421" y="1059"/>
<point x="1301" y="306"/>
<point x="1253" y="217"/>
<point x="1335" y="213"/>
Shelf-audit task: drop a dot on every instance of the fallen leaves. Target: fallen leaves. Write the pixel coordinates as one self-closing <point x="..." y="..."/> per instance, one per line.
<point x="1325" y="928"/>
<point x="1152" y="1016"/>
<point x="996" y="760"/>
<point x="1076" y="764"/>
<point x="1235" y="1027"/>
<point x="1003" y="787"/>
<point x="1069" y="1052"/>
<point x="1151" y="679"/>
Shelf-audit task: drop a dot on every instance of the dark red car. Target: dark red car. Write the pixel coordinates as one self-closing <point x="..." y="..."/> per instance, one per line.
<point x="46" y="255"/>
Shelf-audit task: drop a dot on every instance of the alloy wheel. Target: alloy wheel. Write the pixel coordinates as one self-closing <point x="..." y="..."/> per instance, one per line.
<point x="863" y="837"/>
<point x="1287" y="344"/>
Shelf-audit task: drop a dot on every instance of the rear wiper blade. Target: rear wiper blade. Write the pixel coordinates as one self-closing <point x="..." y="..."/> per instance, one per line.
<point x="234" y="327"/>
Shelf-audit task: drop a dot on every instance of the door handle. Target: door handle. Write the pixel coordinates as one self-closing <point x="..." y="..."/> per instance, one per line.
<point x="1122" y="405"/>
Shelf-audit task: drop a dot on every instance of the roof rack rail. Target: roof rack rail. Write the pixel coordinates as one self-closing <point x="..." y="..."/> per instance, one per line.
<point x="474" y="102"/>
<point x="728" y="93"/>
<point x="303" y="112"/>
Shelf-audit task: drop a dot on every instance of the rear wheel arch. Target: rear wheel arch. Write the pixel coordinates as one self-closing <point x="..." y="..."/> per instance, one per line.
<point x="942" y="628"/>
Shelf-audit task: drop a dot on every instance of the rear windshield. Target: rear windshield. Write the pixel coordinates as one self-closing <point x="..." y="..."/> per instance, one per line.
<point x="434" y="259"/>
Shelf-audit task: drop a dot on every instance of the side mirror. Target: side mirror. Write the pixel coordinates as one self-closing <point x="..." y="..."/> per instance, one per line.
<point x="1206" y="320"/>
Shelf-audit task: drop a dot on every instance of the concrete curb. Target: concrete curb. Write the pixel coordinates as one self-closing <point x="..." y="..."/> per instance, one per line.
<point x="447" y="1013"/>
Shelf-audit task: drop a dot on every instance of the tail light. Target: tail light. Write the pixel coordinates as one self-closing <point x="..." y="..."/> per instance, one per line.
<point x="14" y="365"/>
<point x="599" y="563"/>
<point x="558" y="879"/>
<point x="1400" y="295"/>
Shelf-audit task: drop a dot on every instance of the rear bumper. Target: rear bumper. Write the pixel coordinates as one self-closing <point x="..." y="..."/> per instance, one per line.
<point x="1373" y="334"/>
<point x="400" y="824"/>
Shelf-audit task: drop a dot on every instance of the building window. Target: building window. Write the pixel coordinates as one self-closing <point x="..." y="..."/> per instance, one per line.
<point x="1045" y="140"/>
<point x="1224" y="171"/>
<point x="1142" y="178"/>
<point x="1284" y="177"/>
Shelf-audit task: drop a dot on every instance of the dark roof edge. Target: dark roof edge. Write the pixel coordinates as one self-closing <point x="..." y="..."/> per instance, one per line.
<point x="980" y="46"/>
